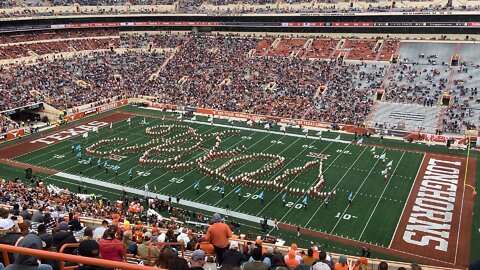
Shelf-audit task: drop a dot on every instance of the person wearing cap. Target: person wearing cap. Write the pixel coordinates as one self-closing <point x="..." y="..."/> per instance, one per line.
<point x="342" y="263"/>
<point x="257" y="263"/>
<point x="11" y="234"/>
<point x="218" y="234"/>
<point x="27" y="262"/>
<point x="197" y="260"/>
<point x="91" y="249"/>
<point x="233" y="257"/>
<point x="62" y="235"/>
<point x="142" y="249"/>
<point x="361" y="264"/>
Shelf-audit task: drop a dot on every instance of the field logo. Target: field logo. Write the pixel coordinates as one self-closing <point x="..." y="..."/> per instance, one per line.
<point x="70" y="133"/>
<point x="431" y="218"/>
<point x="318" y="155"/>
<point x="116" y="157"/>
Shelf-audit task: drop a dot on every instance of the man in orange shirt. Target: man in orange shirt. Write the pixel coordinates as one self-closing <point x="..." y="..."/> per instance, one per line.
<point x="342" y="263"/>
<point x="218" y="234"/>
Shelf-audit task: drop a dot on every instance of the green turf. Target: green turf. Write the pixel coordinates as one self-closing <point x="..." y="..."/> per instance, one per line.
<point x="349" y="168"/>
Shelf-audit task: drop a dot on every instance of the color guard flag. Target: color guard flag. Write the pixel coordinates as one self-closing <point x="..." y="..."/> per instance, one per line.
<point x="373" y="149"/>
<point x="384" y="172"/>
<point x="238" y="190"/>
<point x="319" y="133"/>
<point x="194" y="118"/>
<point x="390" y="163"/>
<point x="360" y="141"/>
<point x="284" y="196"/>
<point x="305" y="130"/>
<point x="338" y="138"/>
<point x="382" y="156"/>
<point x="128" y="120"/>
<point x="197" y="185"/>
<point x="130" y="172"/>
<point x="179" y="117"/>
<point x="282" y="128"/>
<point x="267" y="126"/>
<point x="260" y="195"/>
<point x="111" y="124"/>
<point x="305" y="200"/>
<point x="85" y="135"/>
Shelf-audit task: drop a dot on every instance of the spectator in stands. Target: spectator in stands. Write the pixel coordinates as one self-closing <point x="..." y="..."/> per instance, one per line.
<point x="205" y="246"/>
<point x="142" y="250"/>
<point x="415" y="266"/>
<point x="218" y="234"/>
<point x="89" y="248"/>
<point x="9" y="235"/>
<point x="383" y="266"/>
<point x="308" y="258"/>
<point x="38" y="215"/>
<point x="292" y="260"/>
<point x="257" y="263"/>
<point x="233" y="257"/>
<point x="197" y="260"/>
<point x="27" y="262"/>
<point x="87" y="234"/>
<point x="325" y="258"/>
<point x="98" y="232"/>
<point x="62" y="235"/>
<point x="342" y="263"/>
<point x="130" y="246"/>
<point x="183" y="237"/>
<point x="318" y="265"/>
<point x="46" y="237"/>
<point x="277" y="262"/>
<point x="75" y="223"/>
<point x="168" y="259"/>
<point x="361" y="264"/>
<point x="110" y="248"/>
<point x="25" y="214"/>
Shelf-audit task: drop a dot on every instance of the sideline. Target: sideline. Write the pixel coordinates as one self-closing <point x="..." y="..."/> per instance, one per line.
<point x="184" y="202"/>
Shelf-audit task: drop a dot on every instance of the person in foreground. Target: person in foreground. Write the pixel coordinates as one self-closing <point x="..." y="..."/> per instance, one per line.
<point x="197" y="260"/>
<point x="27" y="262"/>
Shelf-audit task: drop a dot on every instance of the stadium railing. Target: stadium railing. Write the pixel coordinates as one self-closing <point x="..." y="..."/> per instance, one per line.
<point x="62" y="249"/>
<point x="72" y="258"/>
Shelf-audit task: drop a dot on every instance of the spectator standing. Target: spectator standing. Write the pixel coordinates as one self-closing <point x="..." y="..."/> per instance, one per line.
<point x="218" y="234"/>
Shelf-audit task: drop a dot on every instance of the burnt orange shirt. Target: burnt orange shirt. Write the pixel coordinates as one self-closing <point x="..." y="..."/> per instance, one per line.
<point x="218" y="234"/>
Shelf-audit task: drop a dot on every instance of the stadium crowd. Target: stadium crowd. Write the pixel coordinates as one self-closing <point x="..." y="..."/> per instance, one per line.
<point x="42" y="217"/>
<point x="226" y="72"/>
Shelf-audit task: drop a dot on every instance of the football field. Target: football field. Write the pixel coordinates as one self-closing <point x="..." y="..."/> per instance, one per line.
<point x="258" y="173"/>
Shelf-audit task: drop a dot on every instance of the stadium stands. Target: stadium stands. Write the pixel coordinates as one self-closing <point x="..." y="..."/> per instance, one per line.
<point x="263" y="75"/>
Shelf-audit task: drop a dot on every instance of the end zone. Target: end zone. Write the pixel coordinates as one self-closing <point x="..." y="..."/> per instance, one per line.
<point x="437" y="218"/>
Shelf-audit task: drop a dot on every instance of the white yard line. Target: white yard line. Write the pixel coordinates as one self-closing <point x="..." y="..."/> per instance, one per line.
<point x="338" y="183"/>
<point x="381" y="195"/>
<point x="408" y="198"/>
<point x="356" y="193"/>
<point x="140" y="192"/>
